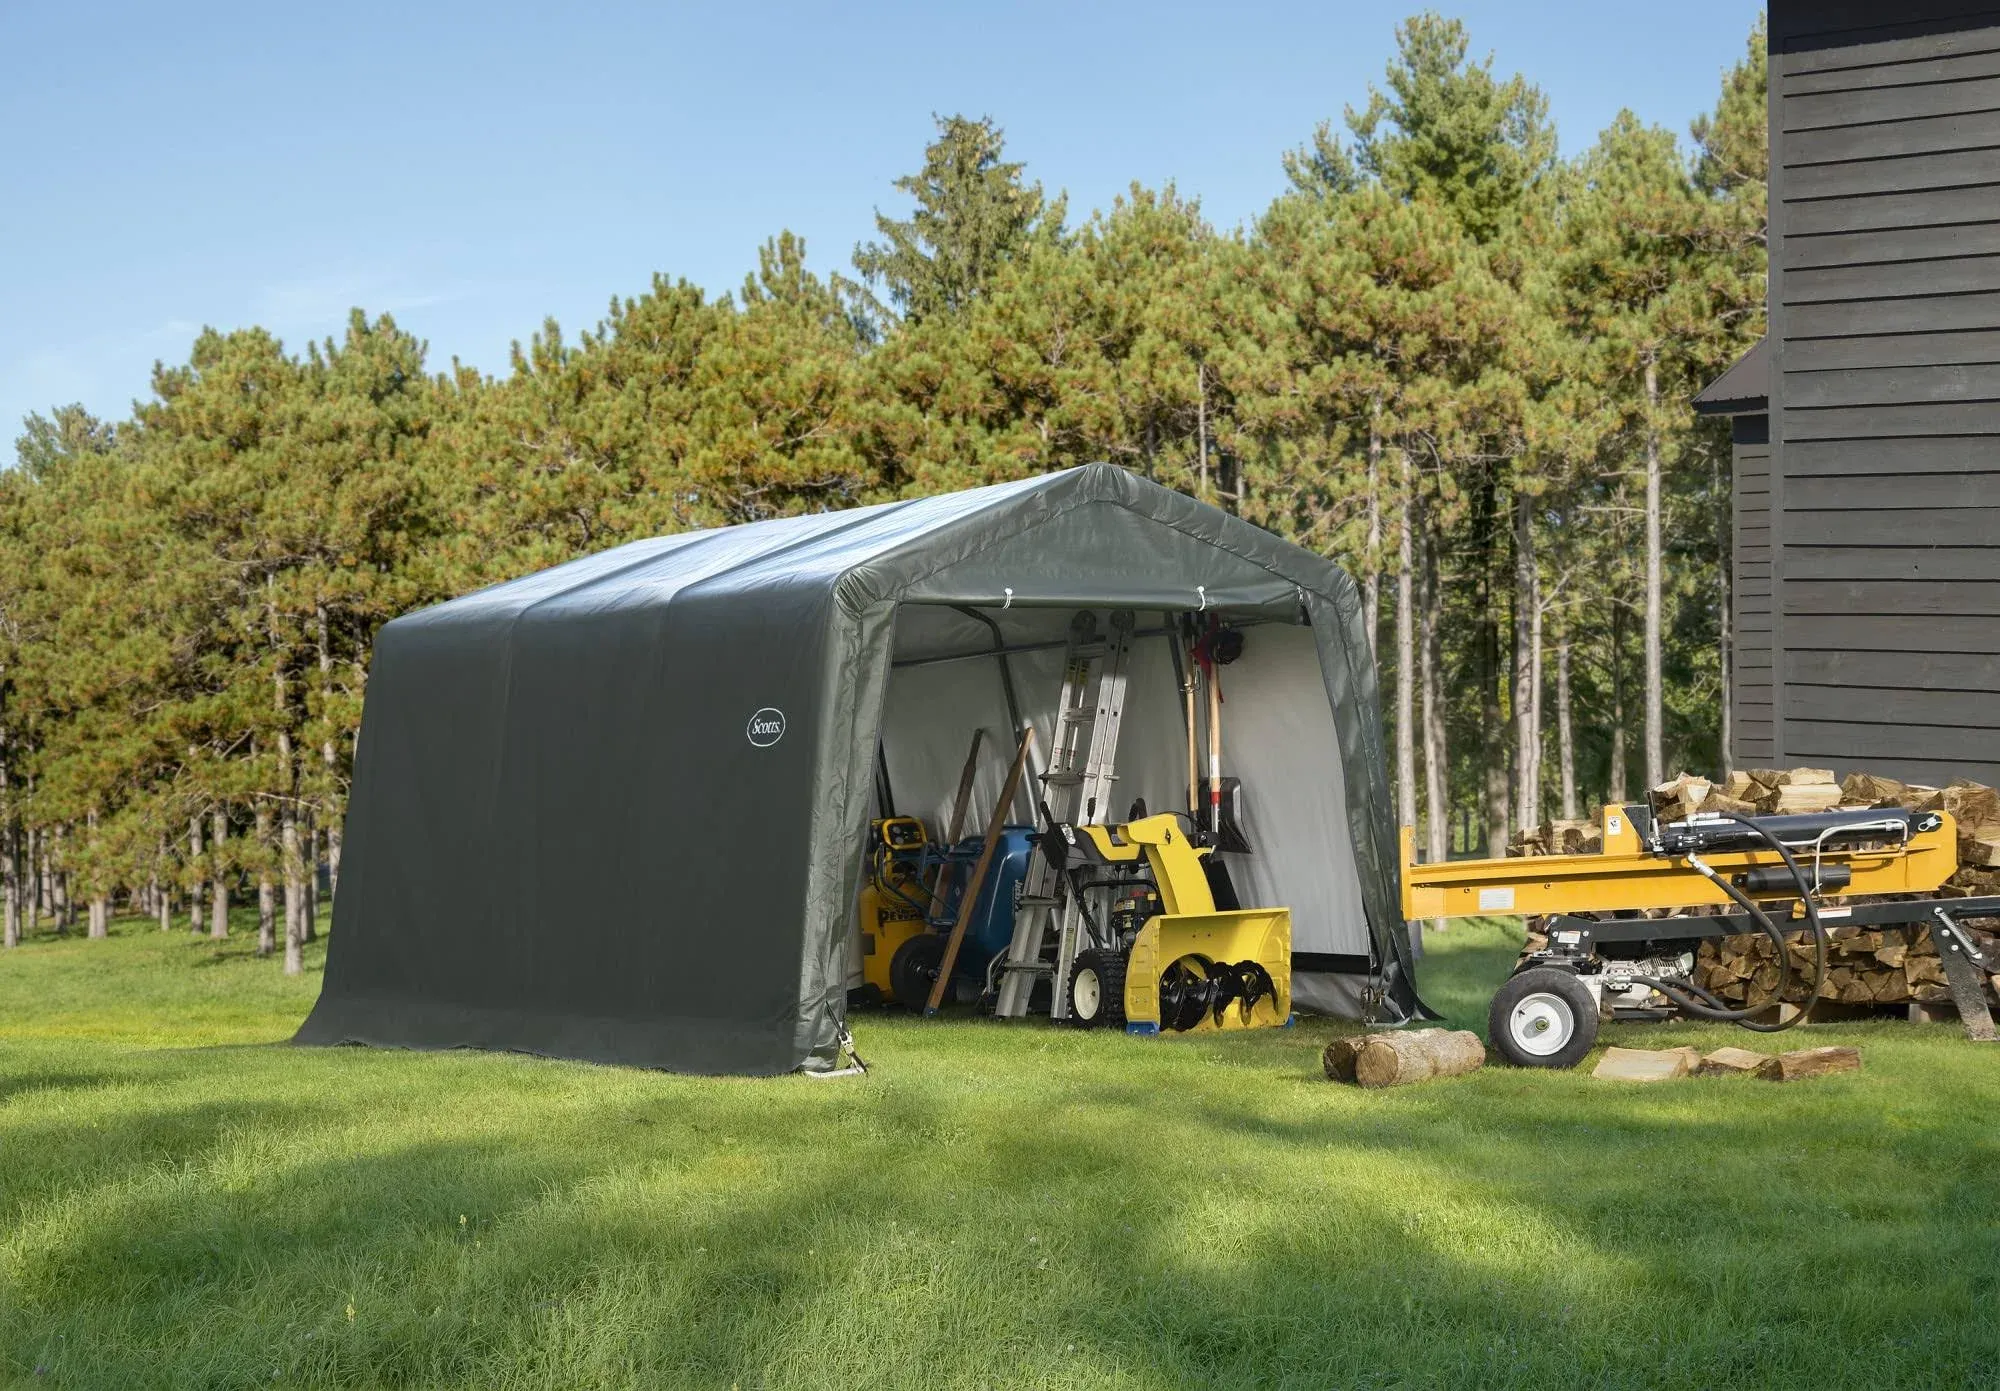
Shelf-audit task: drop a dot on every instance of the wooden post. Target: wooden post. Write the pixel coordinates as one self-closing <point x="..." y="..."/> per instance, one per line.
<point x="994" y="826"/>
<point x="959" y="805"/>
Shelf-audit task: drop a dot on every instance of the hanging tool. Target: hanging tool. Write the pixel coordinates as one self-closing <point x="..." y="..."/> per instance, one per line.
<point x="1216" y="647"/>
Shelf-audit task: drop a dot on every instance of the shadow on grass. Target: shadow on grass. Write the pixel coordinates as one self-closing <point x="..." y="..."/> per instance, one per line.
<point x="872" y="1233"/>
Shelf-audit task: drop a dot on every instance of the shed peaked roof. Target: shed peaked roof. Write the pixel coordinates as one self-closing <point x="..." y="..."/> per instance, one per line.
<point x="966" y="547"/>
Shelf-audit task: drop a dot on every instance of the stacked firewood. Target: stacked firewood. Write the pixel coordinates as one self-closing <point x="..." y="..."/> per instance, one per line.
<point x="1866" y="966"/>
<point x="1558" y="838"/>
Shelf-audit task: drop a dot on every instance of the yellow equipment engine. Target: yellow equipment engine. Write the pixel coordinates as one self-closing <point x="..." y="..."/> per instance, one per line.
<point x="1164" y="957"/>
<point x="892" y="908"/>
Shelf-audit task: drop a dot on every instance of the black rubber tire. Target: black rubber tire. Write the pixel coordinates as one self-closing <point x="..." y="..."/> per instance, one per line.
<point x="1564" y="999"/>
<point x="914" y="969"/>
<point x="1109" y="969"/>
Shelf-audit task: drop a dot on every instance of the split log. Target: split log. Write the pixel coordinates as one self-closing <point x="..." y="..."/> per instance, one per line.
<point x="1810" y="1062"/>
<point x="1865" y="789"/>
<point x="1646" y="1065"/>
<point x="1803" y="797"/>
<point x="1395" y="1059"/>
<point x="1807" y="777"/>
<point x="1730" y="1062"/>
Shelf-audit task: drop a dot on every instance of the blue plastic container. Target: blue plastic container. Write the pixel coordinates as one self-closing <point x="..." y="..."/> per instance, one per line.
<point x="992" y="925"/>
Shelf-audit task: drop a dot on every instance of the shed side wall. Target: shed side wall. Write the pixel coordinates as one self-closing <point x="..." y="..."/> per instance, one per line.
<point x="1885" y="468"/>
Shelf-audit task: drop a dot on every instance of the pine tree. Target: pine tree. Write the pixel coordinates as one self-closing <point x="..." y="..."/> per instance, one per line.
<point x="974" y="213"/>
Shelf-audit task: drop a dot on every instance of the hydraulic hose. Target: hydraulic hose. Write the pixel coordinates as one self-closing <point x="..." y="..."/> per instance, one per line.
<point x="1692" y="999"/>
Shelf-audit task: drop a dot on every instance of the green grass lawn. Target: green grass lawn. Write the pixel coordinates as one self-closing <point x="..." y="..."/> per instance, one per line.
<point x="186" y="1201"/>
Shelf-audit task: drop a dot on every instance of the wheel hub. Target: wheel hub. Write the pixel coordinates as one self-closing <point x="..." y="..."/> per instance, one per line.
<point x="1087" y="995"/>
<point x="1541" y="1024"/>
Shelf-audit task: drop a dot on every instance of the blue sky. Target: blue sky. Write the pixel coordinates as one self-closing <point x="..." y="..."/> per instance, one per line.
<point x="474" y="168"/>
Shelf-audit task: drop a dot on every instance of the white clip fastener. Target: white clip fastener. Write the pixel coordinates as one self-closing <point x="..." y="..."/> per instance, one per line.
<point x="1202" y="590"/>
<point x="1009" y="592"/>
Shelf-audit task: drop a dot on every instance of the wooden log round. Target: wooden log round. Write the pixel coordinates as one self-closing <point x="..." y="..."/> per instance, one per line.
<point x="1392" y="1060"/>
<point x="1338" y="1059"/>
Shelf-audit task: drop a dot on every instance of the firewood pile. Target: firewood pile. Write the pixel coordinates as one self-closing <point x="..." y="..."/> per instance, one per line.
<point x="1865" y="966"/>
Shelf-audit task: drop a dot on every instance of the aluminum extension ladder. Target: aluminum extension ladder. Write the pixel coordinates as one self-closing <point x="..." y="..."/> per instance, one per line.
<point x="1076" y="790"/>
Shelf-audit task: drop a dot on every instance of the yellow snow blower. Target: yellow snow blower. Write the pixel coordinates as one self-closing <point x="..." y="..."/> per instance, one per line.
<point x="1164" y="957"/>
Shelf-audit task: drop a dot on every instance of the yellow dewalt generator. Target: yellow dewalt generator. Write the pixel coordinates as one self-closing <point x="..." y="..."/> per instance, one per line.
<point x="911" y="893"/>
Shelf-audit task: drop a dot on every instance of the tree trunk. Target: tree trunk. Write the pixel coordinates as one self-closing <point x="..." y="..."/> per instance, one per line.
<point x="331" y="757"/>
<point x="1656" y="760"/>
<point x="1406" y="649"/>
<point x="10" y="862"/>
<point x="1437" y="764"/>
<point x="311" y="838"/>
<point x="1371" y="565"/>
<point x="295" y="895"/>
<point x="1615" y="792"/>
<point x="1201" y="454"/>
<point x="33" y="887"/>
<point x="1492" y="750"/>
<point x="1565" y="732"/>
<point x="163" y="903"/>
<point x="10" y="857"/>
<point x="195" y="867"/>
<point x="267" y="897"/>
<point x="1524" y="658"/>
<point x="218" y="884"/>
<point x="65" y="907"/>
<point x="1533" y="780"/>
<point x="99" y="907"/>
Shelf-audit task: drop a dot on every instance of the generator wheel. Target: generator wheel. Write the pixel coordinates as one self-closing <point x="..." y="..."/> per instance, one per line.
<point x="914" y="969"/>
<point x="1543" y="1017"/>
<point x="1097" y="989"/>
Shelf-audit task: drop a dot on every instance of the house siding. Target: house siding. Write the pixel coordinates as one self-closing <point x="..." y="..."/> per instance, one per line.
<point x="1751" y="728"/>
<point x="1879" y="509"/>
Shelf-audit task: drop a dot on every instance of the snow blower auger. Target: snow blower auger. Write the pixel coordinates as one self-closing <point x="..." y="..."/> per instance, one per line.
<point x="1774" y="875"/>
<point x="1164" y="957"/>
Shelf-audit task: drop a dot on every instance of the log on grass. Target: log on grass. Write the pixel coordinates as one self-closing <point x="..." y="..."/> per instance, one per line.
<point x="1730" y="1062"/>
<point x="1394" y="1059"/>
<point x="1646" y="1064"/>
<point x="1338" y="1059"/>
<point x="1810" y="1062"/>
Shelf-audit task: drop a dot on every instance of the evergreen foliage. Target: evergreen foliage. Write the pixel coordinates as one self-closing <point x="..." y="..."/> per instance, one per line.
<point x="974" y="213"/>
<point x="1444" y="357"/>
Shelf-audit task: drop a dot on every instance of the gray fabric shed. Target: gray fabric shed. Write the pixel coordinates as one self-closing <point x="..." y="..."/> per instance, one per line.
<point x="613" y="811"/>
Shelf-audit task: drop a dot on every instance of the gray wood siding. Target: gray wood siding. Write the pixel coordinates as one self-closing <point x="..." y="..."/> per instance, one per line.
<point x="1878" y="512"/>
<point x="1751" y="720"/>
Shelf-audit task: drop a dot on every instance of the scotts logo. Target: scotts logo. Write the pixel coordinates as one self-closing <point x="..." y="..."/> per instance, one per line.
<point x="766" y="727"/>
